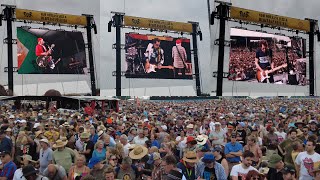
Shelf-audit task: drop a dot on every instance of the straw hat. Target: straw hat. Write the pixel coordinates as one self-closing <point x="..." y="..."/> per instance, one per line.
<point x="59" y="143"/>
<point x="102" y="127"/>
<point x="38" y="133"/>
<point x="85" y="135"/>
<point x="299" y="122"/>
<point x="132" y="146"/>
<point x="8" y="130"/>
<point x="316" y="166"/>
<point x="190" y="126"/>
<point x="138" y="152"/>
<point x="190" y="157"/>
<point x="45" y="141"/>
<point x="27" y="157"/>
<point x="100" y="133"/>
<point x="202" y="139"/>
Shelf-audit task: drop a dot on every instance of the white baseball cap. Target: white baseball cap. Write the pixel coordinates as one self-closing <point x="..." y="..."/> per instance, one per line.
<point x="23" y="121"/>
<point x="11" y="116"/>
<point x="36" y="125"/>
<point x="164" y="127"/>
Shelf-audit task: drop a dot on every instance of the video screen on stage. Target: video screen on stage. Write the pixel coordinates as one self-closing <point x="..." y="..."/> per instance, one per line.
<point x="260" y="57"/>
<point x="160" y="57"/>
<point x="43" y="51"/>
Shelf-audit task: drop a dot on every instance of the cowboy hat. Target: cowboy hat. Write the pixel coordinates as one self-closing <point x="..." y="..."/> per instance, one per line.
<point x="316" y="166"/>
<point x="38" y="133"/>
<point x="29" y="170"/>
<point x="299" y="122"/>
<point x="8" y="130"/>
<point x="85" y="135"/>
<point x="45" y="141"/>
<point x="28" y="158"/>
<point x="59" y="143"/>
<point x="132" y="146"/>
<point x="100" y="133"/>
<point x="102" y="127"/>
<point x="190" y="157"/>
<point x="138" y="152"/>
<point x="190" y="126"/>
<point x="202" y="139"/>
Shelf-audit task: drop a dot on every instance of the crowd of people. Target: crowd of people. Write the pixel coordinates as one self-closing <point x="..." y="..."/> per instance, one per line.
<point x="164" y="140"/>
<point x="242" y="60"/>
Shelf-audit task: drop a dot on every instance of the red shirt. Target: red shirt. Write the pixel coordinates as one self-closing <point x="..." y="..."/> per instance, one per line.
<point x="88" y="110"/>
<point x="40" y="49"/>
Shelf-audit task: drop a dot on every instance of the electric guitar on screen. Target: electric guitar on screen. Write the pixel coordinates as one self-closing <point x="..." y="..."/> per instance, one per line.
<point x="44" y="61"/>
<point x="263" y="75"/>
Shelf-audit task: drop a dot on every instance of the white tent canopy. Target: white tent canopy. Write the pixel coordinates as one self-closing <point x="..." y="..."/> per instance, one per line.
<point x="247" y="33"/>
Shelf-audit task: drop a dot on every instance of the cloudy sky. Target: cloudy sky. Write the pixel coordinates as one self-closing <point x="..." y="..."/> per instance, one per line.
<point x="175" y="10"/>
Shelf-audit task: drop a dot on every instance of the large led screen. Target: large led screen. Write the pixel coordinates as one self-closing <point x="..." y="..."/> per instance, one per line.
<point x="42" y="51"/>
<point x="260" y="57"/>
<point x="160" y="57"/>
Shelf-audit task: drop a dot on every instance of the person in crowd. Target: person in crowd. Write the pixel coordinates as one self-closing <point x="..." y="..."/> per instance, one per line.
<point x="126" y="170"/>
<point x="26" y="160"/>
<point x="255" y="149"/>
<point x="241" y="170"/>
<point x="55" y="172"/>
<point x="79" y="169"/>
<point x="93" y="135"/>
<point x="289" y="173"/>
<point x="233" y="151"/>
<point x="45" y="155"/>
<point x="254" y="175"/>
<point x="140" y="139"/>
<point x="305" y="160"/>
<point x="7" y="167"/>
<point x="220" y="158"/>
<point x="62" y="155"/>
<point x="209" y="169"/>
<point x="99" y="152"/>
<point x="97" y="168"/>
<point x="285" y="147"/>
<point x="276" y="166"/>
<point x="109" y="173"/>
<point x="187" y="165"/>
<point x="30" y="173"/>
<point x="125" y="143"/>
<point x="218" y="136"/>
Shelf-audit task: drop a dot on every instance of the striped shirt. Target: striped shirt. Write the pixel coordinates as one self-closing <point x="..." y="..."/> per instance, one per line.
<point x="8" y="170"/>
<point x="177" y="61"/>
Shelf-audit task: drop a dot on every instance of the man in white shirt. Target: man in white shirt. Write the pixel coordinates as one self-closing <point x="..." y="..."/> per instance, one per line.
<point x="140" y="139"/>
<point x="218" y="136"/>
<point x="126" y="145"/>
<point x="280" y="133"/>
<point x="26" y="160"/>
<point x="240" y="171"/>
<point x="305" y="161"/>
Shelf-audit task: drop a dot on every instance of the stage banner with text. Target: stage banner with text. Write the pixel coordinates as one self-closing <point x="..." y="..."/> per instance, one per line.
<point x="269" y="19"/>
<point x="157" y="24"/>
<point x="50" y="17"/>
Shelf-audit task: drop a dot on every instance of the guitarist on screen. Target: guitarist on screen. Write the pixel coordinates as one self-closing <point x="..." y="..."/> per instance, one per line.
<point x="42" y="50"/>
<point x="263" y="60"/>
<point x="179" y="56"/>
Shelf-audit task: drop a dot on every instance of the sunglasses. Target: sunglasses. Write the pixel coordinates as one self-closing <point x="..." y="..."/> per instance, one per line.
<point x="2" y="156"/>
